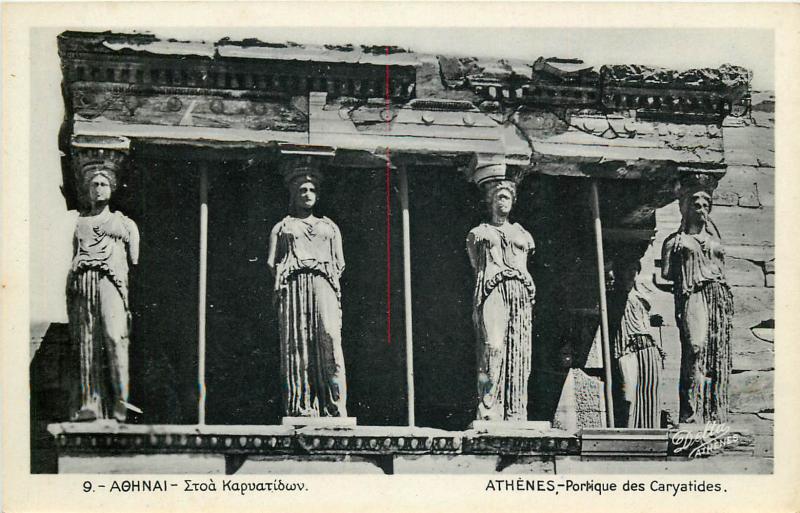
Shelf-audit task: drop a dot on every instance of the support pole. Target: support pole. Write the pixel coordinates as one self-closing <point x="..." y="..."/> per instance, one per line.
<point x="201" y="302"/>
<point x="407" y="294"/>
<point x="601" y="287"/>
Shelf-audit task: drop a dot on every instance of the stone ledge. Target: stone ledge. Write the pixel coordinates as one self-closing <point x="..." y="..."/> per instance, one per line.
<point x="625" y="442"/>
<point x="111" y="439"/>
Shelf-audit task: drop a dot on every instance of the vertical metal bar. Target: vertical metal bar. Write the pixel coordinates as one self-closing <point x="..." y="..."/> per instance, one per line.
<point x="601" y="287"/>
<point x="407" y="294"/>
<point x="201" y="302"/>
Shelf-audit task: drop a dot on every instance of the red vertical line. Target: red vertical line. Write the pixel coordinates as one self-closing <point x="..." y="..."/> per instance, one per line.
<point x="388" y="213"/>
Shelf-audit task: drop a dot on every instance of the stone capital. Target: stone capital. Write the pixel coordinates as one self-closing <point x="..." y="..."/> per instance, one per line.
<point x="296" y="160"/>
<point x="93" y="153"/>
<point x="482" y="168"/>
<point x="690" y="181"/>
<point x="488" y="168"/>
<point x="111" y="151"/>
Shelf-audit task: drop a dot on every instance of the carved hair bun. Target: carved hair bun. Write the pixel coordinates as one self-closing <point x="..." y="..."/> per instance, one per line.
<point x="691" y="183"/>
<point x="298" y="176"/>
<point x="491" y="187"/>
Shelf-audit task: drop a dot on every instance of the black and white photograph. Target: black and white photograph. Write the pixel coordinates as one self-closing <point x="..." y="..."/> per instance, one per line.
<point x="525" y="254"/>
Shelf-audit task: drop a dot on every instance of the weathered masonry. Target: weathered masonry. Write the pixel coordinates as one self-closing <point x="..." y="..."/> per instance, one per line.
<point x="401" y="138"/>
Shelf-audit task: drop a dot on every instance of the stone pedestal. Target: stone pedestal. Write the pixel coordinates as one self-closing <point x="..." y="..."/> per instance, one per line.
<point x="320" y="422"/>
<point x="501" y="426"/>
<point x="619" y="442"/>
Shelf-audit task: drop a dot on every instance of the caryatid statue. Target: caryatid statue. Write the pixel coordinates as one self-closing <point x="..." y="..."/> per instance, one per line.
<point x="104" y="245"/>
<point x="637" y="357"/>
<point x="694" y="259"/>
<point x="306" y="259"/>
<point x="503" y="307"/>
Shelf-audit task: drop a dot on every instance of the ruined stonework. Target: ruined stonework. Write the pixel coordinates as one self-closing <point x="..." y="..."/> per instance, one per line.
<point x="581" y="405"/>
<point x="750" y="227"/>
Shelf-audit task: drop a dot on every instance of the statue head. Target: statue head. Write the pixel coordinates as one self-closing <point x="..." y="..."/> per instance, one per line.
<point x="303" y="189"/>
<point x="98" y="166"/>
<point x="696" y="207"/>
<point x="626" y="273"/>
<point x="694" y="198"/>
<point x="500" y="196"/>
<point x="98" y="181"/>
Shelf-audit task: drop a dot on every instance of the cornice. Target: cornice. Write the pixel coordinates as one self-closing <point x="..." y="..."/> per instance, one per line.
<point x="146" y="65"/>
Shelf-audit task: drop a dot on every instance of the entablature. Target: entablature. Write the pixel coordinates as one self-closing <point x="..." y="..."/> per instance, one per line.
<point x="143" y="62"/>
<point x="554" y="116"/>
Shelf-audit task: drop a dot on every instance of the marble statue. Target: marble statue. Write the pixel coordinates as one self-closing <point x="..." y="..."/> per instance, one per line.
<point x="105" y="244"/>
<point x="694" y="259"/>
<point x="503" y="307"/>
<point x="637" y="357"/>
<point x="306" y="259"/>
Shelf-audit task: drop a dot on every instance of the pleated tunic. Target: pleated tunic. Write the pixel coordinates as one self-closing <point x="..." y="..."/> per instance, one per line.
<point x="703" y="311"/>
<point x="99" y="314"/>
<point x="639" y="362"/>
<point x="503" y="318"/>
<point x="308" y="266"/>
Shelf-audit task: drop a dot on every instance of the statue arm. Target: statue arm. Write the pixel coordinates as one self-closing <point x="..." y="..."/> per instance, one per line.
<point x="338" y="255"/>
<point x="531" y="244"/>
<point x="271" y="251"/>
<point x="644" y="297"/>
<point x="472" y="252"/>
<point x="667" y="251"/>
<point x="133" y="242"/>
